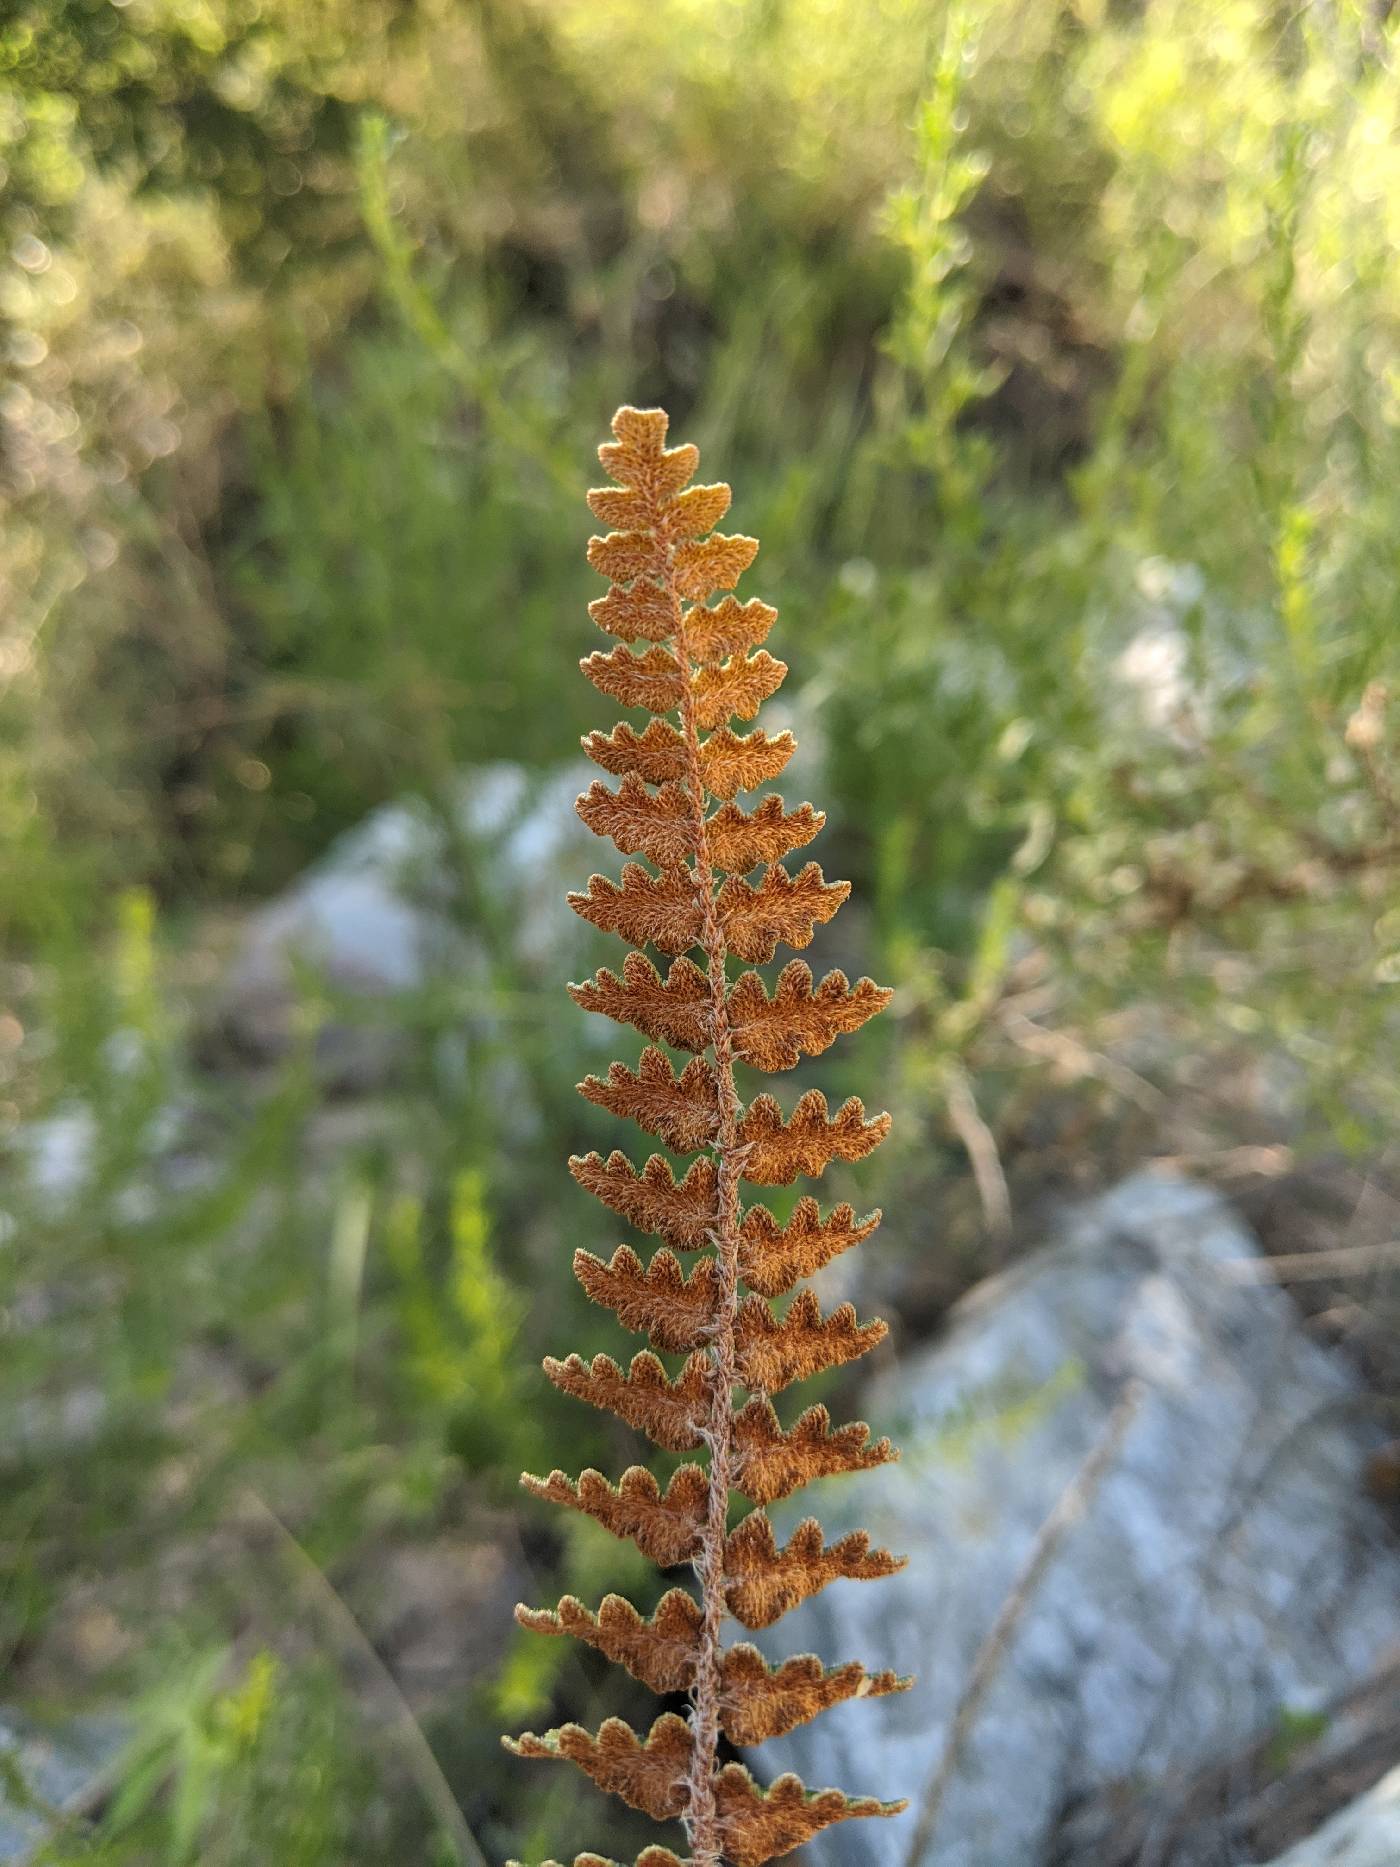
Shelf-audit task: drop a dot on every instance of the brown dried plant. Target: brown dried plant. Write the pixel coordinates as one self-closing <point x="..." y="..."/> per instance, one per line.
<point x="675" y="807"/>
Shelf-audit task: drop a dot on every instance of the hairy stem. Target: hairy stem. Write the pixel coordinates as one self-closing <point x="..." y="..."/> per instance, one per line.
<point x="702" y="1818"/>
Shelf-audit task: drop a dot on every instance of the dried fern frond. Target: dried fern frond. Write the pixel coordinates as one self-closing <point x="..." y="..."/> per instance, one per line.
<point x="758" y="1825"/>
<point x="665" y="1525"/>
<point x="800" y="1019"/>
<point x="771" y="1355"/>
<point x="649" y="1857"/>
<point x="681" y="1109"/>
<point x="673" y="1413"/>
<point x="650" y="1773"/>
<point x="773" y="1257"/>
<point x="770" y="1464"/>
<point x="680" y="1211"/>
<point x="741" y="839"/>
<point x="677" y="1311"/>
<point x="662" y="1652"/>
<point x="676" y="1009"/>
<point x="806" y="1142"/>
<point x="719" y="890"/>
<point x="762" y="1581"/>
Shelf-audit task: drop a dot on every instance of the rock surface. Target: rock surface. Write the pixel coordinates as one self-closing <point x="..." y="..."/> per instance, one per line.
<point x="1228" y="1572"/>
<point x="46" y="1770"/>
<point x="1367" y="1834"/>
<point x="373" y="918"/>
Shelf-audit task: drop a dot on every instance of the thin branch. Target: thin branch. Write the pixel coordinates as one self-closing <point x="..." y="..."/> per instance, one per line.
<point x="1314" y="1266"/>
<point x="981" y="1148"/>
<point x="1266" y="1163"/>
<point x="1070" y="1054"/>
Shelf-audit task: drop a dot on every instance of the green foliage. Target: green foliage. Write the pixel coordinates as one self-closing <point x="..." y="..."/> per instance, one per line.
<point x="1052" y="351"/>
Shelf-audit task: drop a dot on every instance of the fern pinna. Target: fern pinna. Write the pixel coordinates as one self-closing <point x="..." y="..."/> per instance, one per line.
<point x="675" y="806"/>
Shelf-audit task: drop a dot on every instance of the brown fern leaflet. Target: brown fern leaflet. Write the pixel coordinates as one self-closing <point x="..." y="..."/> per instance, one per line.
<point x="717" y="890"/>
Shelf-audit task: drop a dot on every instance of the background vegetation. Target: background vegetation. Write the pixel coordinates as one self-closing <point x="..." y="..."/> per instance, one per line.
<point x="1052" y="353"/>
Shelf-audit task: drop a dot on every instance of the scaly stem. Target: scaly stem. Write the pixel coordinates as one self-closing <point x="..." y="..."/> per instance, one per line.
<point x="702" y="1818"/>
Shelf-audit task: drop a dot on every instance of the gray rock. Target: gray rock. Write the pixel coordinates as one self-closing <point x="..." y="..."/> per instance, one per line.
<point x="1365" y="1834"/>
<point x="48" y="1773"/>
<point x="374" y="917"/>
<point x="1227" y="1569"/>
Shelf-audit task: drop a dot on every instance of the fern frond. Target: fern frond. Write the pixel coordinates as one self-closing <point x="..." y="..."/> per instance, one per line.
<point x="772" y="1354"/>
<point x="656" y="825"/>
<point x="688" y="514"/>
<point x="739" y="687"/>
<point x="681" y="1109"/>
<point x="759" y="1825"/>
<point x="762" y="1582"/>
<point x="772" y="1464"/>
<point x="660" y="1652"/>
<point x="651" y="680"/>
<point x="622" y="556"/>
<point x="677" y="1010"/>
<point x="759" y="1700"/>
<point x="762" y="1701"/>
<point x="713" y="564"/>
<point x="665" y="1525"/>
<point x="636" y="458"/>
<point x="800" y="1019"/>
<point x="703" y="663"/>
<point x="660" y="909"/>
<point x="643" y="613"/>
<point x="670" y="1412"/>
<point x="741" y="839"/>
<point x="730" y="764"/>
<point x="805" y="1144"/>
<point x="658" y="1300"/>
<point x="783" y="909"/>
<point x="647" y="1773"/>
<point x="730" y="628"/>
<point x="682" y="1212"/>
<point x="658" y="756"/>
<point x="773" y="1257"/>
